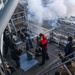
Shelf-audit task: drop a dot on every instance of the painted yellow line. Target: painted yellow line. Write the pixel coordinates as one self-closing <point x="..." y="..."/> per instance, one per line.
<point x="39" y="26"/>
<point x="47" y="30"/>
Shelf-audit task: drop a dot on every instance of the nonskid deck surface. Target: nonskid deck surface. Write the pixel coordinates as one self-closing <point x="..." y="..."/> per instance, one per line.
<point x="52" y="51"/>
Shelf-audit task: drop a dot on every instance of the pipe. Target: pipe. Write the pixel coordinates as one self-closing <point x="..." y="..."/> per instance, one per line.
<point x="54" y="62"/>
<point x="7" y="13"/>
<point x="67" y="70"/>
<point x="2" y="44"/>
<point x="58" y="66"/>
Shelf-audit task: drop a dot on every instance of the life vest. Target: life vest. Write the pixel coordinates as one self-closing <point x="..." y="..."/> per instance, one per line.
<point x="43" y="43"/>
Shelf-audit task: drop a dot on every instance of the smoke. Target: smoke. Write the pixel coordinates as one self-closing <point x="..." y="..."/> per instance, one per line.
<point x="53" y="9"/>
<point x="36" y="10"/>
<point x="70" y="5"/>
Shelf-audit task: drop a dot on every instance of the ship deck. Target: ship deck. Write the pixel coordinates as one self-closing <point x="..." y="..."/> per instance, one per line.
<point x="52" y="51"/>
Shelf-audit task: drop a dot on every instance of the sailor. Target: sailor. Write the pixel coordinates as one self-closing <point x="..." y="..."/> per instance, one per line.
<point x="43" y="45"/>
<point x="69" y="47"/>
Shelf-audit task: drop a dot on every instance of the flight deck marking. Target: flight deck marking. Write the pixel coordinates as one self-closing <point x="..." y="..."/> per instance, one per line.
<point x="43" y="28"/>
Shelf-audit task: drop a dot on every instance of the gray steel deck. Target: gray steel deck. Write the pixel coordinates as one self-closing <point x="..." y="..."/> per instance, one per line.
<point x="52" y="51"/>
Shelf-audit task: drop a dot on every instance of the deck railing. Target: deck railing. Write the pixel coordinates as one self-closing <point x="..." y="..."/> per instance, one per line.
<point x="60" y="39"/>
<point x="47" y="72"/>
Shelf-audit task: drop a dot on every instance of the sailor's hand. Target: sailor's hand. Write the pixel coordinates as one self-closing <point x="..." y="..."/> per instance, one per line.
<point x="7" y="66"/>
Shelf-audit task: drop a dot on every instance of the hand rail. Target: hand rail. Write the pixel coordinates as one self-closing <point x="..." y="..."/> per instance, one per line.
<point x="54" y="62"/>
<point x="44" y="33"/>
<point x="67" y="70"/>
<point x="48" y="66"/>
<point x="65" y="57"/>
<point x="59" y="65"/>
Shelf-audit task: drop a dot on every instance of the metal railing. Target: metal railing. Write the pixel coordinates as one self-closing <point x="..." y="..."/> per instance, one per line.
<point x="53" y="63"/>
<point x="50" y="32"/>
<point x="58" y="66"/>
<point x="60" y="40"/>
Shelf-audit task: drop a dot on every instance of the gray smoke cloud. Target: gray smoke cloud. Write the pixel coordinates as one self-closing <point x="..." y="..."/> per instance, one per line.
<point x="54" y="9"/>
